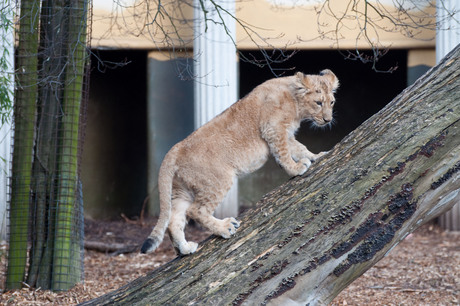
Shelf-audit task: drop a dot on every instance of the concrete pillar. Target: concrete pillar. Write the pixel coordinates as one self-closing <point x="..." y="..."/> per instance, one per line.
<point x="447" y="38"/>
<point x="169" y="115"/>
<point x="419" y="61"/>
<point x="6" y="130"/>
<point x="215" y="70"/>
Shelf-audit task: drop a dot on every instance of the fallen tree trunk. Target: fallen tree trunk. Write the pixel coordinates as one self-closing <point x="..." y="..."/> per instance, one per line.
<point x="307" y="240"/>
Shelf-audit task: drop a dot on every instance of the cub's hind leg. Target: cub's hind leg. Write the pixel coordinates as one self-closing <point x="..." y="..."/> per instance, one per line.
<point x="224" y="228"/>
<point x="203" y="207"/>
<point x="177" y="225"/>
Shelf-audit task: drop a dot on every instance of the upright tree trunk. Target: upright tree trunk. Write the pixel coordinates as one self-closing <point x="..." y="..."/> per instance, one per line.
<point x="51" y="63"/>
<point x="311" y="237"/>
<point x="54" y="221"/>
<point x="24" y="120"/>
<point x="68" y="245"/>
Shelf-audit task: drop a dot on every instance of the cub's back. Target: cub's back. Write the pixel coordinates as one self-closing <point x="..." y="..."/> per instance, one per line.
<point x="233" y="138"/>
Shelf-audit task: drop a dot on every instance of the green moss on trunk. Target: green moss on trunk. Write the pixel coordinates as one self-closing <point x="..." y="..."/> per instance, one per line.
<point x="24" y="120"/>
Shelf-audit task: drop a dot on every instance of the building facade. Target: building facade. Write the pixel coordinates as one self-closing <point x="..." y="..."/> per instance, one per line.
<point x="139" y="110"/>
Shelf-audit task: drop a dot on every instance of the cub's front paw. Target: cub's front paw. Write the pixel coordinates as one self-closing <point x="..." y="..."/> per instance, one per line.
<point x="230" y="225"/>
<point x="306" y="162"/>
<point x="302" y="166"/>
<point x="298" y="168"/>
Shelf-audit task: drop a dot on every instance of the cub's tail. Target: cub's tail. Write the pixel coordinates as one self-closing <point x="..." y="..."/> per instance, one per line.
<point x="168" y="169"/>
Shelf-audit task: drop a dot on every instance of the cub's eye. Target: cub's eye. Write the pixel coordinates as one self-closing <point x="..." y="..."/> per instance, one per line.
<point x="332" y="103"/>
<point x="319" y="103"/>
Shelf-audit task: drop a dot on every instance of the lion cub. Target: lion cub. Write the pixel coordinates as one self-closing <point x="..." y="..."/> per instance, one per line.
<point x="197" y="173"/>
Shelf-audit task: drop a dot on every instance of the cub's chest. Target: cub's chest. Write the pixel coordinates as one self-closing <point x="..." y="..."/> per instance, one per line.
<point x="253" y="159"/>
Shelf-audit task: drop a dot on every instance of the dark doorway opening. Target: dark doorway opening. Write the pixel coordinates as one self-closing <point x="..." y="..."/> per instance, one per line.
<point x="114" y="169"/>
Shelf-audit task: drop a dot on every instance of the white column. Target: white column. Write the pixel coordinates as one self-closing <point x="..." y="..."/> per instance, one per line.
<point x="448" y="34"/>
<point x="6" y="43"/>
<point x="215" y="70"/>
<point x="447" y="38"/>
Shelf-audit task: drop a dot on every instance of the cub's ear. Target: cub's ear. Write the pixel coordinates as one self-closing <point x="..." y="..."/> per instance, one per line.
<point x="330" y="76"/>
<point x="302" y="84"/>
<point x="299" y="75"/>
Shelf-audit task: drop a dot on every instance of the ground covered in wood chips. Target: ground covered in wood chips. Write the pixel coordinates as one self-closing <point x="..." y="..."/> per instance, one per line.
<point x="424" y="269"/>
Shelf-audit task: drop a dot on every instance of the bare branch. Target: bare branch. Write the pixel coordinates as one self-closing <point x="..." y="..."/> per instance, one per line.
<point x="169" y="25"/>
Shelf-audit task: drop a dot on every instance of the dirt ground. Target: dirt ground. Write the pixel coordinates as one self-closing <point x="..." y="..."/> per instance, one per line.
<point x="422" y="270"/>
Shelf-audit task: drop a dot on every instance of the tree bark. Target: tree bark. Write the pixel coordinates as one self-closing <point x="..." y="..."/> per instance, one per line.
<point x="46" y="205"/>
<point x="24" y="121"/>
<point x="67" y="265"/>
<point x="307" y="240"/>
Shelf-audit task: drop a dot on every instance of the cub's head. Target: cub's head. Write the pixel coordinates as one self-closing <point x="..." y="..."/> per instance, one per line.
<point x="315" y="96"/>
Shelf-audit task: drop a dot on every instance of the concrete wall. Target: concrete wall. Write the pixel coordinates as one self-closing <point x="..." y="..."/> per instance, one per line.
<point x="170" y="114"/>
<point x="419" y="61"/>
<point x="267" y="24"/>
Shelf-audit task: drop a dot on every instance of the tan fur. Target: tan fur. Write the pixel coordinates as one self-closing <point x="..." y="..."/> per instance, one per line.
<point x="197" y="173"/>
